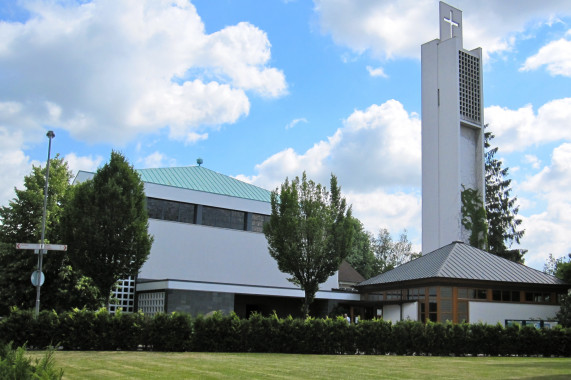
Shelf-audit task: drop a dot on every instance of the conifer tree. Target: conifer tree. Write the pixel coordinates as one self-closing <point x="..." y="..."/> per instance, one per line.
<point x="501" y="207"/>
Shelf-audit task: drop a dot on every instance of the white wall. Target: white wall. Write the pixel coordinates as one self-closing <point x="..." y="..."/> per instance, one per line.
<point x="393" y="312"/>
<point x="410" y="311"/>
<point x="190" y="252"/>
<point x="494" y="312"/>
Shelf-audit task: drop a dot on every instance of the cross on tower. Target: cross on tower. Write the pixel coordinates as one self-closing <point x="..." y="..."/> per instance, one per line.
<point x="452" y="23"/>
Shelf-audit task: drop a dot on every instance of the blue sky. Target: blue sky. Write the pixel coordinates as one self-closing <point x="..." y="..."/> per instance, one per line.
<point x="261" y="90"/>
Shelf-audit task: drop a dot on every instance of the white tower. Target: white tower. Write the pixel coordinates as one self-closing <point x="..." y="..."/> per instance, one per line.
<point x="452" y="131"/>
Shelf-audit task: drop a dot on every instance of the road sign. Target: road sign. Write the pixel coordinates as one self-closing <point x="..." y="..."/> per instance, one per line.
<point x="47" y="247"/>
<point x="35" y="277"/>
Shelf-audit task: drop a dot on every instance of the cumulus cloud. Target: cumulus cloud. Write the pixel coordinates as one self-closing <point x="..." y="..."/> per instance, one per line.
<point x="548" y="231"/>
<point x="556" y="56"/>
<point x="376" y="153"/>
<point x="396" y="29"/>
<point x="518" y="129"/>
<point x="533" y="160"/>
<point x="107" y="71"/>
<point x="86" y="163"/>
<point x="157" y="160"/>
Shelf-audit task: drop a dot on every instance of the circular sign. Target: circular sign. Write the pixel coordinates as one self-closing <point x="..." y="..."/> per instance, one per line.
<point x="35" y="277"/>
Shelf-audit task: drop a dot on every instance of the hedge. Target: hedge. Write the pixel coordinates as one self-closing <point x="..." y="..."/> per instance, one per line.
<point x="99" y="330"/>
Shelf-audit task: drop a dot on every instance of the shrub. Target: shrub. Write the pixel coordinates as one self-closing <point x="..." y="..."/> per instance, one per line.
<point x="168" y="332"/>
<point x="15" y="365"/>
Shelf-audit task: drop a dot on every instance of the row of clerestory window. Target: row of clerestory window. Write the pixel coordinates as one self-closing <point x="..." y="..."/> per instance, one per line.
<point x="191" y="213"/>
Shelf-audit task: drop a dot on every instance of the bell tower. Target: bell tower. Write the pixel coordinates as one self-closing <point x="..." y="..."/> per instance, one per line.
<point x="452" y="131"/>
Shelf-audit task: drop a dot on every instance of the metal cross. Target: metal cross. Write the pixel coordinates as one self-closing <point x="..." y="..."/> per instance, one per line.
<point x="452" y="23"/>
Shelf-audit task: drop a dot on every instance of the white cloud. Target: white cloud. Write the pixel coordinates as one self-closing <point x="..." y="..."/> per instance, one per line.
<point x="377" y="72"/>
<point x="556" y="56"/>
<point x="294" y="122"/>
<point x="157" y="160"/>
<point x="107" y="71"/>
<point x="518" y="129"/>
<point x="375" y="155"/>
<point x="396" y="29"/>
<point x="548" y="231"/>
<point x="86" y="163"/>
<point x="531" y="159"/>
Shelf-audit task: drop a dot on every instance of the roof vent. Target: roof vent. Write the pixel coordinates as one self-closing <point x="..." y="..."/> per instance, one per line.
<point x="199" y="161"/>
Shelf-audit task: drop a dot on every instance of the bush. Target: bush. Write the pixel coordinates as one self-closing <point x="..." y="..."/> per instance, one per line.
<point x="15" y="365"/>
<point x="99" y="330"/>
<point x="167" y="332"/>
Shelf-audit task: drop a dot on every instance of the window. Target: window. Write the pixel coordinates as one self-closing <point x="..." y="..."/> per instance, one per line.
<point x="219" y="217"/>
<point x="538" y="297"/>
<point x="258" y="221"/>
<point x="462" y="311"/>
<point x="170" y="210"/>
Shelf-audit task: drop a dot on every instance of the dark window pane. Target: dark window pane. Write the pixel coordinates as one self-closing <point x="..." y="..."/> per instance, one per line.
<point x="186" y="213"/>
<point x="258" y="221"/>
<point x="482" y="294"/>
<point x="515" y="296"/>
<point x="446" y="306"/>
<point x="171" y="211"/>
<point x="506" y="295"/>
<point x="155" y="208"/>
<point x="219" y="217"/>
<point x="445" y="292"/>
<point x="497" y="295"/>
<point x="432" y="307"/>
<point x="529" y="296"/>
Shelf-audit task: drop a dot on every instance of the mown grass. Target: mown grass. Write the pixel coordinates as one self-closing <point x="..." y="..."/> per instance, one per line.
<point x="155" y="365"/>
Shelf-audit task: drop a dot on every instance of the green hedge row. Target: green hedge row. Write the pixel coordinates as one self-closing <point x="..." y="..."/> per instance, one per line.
<point x="88" y="330"/>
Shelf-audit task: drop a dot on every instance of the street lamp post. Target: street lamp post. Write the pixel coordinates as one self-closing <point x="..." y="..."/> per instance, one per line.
<point x="41" y="252"/>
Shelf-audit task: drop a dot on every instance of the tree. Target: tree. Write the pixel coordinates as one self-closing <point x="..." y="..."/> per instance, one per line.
<point x="501" y="207"/>
<point x="361" y="256"/>
<point x="561" y="268"/>
<point x="474" y="218"/>
<point x="106" y="225"/>
<point x="21" y="223"/>
<point x="390" y="254"/>
<point x="309" y="232"/>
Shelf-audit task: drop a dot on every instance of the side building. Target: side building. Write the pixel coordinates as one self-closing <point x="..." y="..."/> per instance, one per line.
<point x="209" y="252"/>
<point x="460" y="283"/>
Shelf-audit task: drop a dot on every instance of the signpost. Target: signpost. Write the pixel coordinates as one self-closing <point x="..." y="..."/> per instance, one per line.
<point x="45" y="247"/>
<point x="38" y="277"/>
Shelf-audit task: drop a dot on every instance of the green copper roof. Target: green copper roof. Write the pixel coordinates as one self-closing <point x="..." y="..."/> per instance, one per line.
<point x="201" y="179"/>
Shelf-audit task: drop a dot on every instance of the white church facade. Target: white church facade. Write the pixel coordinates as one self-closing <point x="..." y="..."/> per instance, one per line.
<point x="209" y="252"/>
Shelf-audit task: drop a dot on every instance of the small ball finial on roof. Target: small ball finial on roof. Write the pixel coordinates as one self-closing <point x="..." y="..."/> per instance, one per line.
<point x="199" y="161"/>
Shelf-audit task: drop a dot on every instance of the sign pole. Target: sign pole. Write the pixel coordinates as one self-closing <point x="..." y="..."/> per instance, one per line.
<point x="50" y="136"/>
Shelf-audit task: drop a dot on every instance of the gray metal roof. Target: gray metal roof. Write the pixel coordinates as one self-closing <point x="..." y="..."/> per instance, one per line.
<point x="201" y="179"/>
<point x="461" y="261"/>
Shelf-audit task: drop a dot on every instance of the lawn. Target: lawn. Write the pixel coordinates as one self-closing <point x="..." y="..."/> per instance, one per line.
<point x="155" y="365"/>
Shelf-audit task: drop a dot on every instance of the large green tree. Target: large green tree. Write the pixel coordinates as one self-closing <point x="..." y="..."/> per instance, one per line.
<point x="504" y="228"/>
<point x="309" y="232"/>
<point x="20" y="222"/>
<point x="106" y="225"/>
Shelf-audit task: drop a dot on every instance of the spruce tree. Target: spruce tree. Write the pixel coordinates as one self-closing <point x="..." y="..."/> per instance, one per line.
<point x="501" y="207"/>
